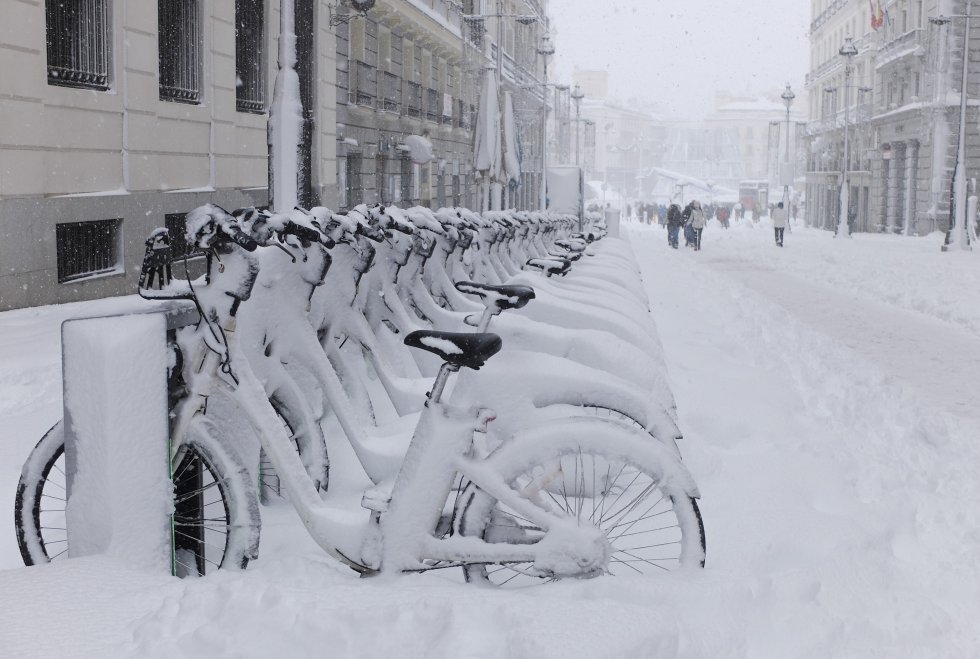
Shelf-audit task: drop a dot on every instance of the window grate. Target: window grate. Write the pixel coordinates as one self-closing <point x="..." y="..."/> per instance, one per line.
<point x="249" y="65"/>
<point x="87" y="248"/>
<point x="78" y="43"/>
<point x="179" y="50"/>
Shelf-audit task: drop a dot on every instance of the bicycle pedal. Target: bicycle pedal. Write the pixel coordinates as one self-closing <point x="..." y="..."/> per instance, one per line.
<point x="378" y="497"/>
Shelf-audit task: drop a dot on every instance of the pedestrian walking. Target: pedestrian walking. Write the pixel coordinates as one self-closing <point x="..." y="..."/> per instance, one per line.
<point x="696" y="221"/>
<point x="779" y="216"/>
<point x="674" y="222"/>
<point x="723" y="215"/>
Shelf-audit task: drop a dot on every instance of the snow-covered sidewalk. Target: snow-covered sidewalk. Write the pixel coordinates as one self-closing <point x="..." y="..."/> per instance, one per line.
<point x="824" y="391"/>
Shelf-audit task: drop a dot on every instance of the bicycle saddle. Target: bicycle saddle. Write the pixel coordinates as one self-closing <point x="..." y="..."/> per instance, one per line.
<point x="457" y="348"/>
<point x="503" y="297"/>
<point x="552" y="266"/>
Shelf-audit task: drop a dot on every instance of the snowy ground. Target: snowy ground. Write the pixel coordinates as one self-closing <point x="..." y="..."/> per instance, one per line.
<point x="829" y="396"/>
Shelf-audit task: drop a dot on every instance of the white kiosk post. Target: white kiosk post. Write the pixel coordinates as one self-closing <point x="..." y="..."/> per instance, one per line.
<point x="117" y="450"/>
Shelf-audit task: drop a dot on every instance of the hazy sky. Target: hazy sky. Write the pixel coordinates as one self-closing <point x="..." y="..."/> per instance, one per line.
<point x="678" y="52"/>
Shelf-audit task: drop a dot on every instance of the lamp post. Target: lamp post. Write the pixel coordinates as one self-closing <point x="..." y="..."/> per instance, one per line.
<point x="959" y="237"/>
<point x="787" y="97"/>
<point x="848" y="51"/>
<point x="545" y="50"/>
<point x="577" y="96"/>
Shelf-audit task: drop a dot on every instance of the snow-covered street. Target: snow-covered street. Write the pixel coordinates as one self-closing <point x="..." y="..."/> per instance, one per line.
<point x="828" y="393"/>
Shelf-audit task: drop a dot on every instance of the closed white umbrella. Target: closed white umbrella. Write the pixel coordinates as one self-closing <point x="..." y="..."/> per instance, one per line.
<point x="512" y="156"/>
<point x="486" y="143"/>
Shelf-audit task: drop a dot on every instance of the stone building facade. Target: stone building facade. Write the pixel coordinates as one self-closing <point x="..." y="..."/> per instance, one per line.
<point x="119" y="117"/>
<point x="902" y="114"/>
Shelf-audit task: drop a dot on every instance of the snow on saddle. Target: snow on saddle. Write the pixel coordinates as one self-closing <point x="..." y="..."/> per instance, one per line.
<point x="502" y="297"/>
<point x="471" y="350"/>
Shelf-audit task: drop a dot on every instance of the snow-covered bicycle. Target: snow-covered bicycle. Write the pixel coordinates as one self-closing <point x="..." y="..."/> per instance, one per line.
<point x="572" y="498"/>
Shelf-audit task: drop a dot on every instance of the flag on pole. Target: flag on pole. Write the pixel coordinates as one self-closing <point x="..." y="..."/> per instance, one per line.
<point x="877" y="15"/>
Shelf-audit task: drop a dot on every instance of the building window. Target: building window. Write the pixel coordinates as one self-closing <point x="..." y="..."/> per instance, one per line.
<point x="407" y="181"/>
<point x="180" y="50"/>
<point x="433" y="104"/>
<point x="78" y="43"/>
<point x="249" y="50"/>
<point x="381" y="179"/>
<point x="355" y="191"/>
<point x="87" y="248"/>
<point x="413" y="99"/>
<point x="391" y="92"/>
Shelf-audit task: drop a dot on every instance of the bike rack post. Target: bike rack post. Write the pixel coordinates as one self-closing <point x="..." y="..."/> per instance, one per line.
<point x="117" y="454"/>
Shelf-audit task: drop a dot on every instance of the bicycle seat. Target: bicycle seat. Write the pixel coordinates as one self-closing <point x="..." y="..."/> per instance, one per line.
<point x="571" y="245"/>
<point x="552" y="266"/>
<point x="503" y="297"/>
<point x="457" y="348"/>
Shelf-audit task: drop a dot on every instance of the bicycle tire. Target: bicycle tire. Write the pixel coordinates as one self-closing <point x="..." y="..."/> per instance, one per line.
<point x="666" y="534"/>
<point x="206" y="478"/>
<point x="313" y="453"/>
<point x="39" y="505"/>
<point x="223" y="487"/>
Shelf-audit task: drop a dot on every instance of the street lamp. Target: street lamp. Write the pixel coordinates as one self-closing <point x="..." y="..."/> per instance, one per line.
<point x="848" y="51"/>
<point x="787" y="97"/>
<point x="577" y="96"/>
<point x="959" y="237"/>
<point x="545" y="49"/>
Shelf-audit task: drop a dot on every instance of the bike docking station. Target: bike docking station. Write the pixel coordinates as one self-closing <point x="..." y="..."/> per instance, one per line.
<point x="119" y="496"/>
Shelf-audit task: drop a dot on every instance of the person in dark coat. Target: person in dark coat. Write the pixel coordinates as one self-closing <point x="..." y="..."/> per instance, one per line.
<point x="674" y="223"/>
<point x="688" y="229"/>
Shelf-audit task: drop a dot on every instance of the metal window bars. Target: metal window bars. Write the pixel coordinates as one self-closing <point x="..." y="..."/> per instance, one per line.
<point x="87" y="248"/>
<point x="78" y="43"/>
<point x="180" y="50"/>
<point x="249" y="68"/>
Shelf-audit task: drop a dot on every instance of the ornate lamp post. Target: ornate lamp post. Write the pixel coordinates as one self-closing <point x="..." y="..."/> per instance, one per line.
<point x="787" y="97"/>
<point x="545" y="50"/>
<point x="848" y="51"/>
<point x="577" y="96"/>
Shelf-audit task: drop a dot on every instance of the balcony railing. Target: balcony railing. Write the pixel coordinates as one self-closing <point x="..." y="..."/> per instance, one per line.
<point x="827" y="14"/>
<point x="912" y="42"/>
<point x="857" y="114"/>
<point x="837" y="61"/>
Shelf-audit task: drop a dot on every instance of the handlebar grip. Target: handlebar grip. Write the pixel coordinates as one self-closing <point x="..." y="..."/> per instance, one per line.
<point x="239" y="237"/>
<point x="305" y="233"/>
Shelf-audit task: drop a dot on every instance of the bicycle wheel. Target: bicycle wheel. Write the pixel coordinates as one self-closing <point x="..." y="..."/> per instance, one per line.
<point x="216" y="518"/>
<point x="39" y="505"/>
<point x="312" y="448"/>
<point x="606" y="412"/>
<point x="632" y="489"/>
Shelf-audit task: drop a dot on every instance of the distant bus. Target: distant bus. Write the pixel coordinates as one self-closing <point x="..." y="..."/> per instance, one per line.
<point x="754" y="195"/>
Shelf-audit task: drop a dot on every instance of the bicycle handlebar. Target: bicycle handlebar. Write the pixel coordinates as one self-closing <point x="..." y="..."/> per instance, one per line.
<point x="236" y="235"/>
